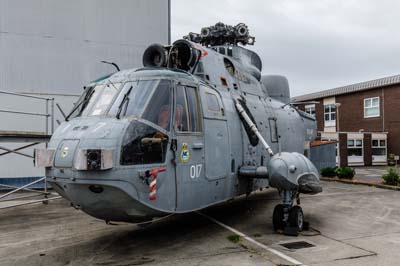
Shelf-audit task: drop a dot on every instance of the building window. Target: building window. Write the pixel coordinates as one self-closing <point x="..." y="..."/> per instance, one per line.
<point x="379" y="147"/>
<point x="371" y="107"/>
<point x="310" y="110"/>
<point x="330" y="114"/>
<point x="355" y="147"/>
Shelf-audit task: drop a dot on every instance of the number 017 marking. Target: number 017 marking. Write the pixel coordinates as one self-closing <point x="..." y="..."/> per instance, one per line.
<point x="195" y="170"/>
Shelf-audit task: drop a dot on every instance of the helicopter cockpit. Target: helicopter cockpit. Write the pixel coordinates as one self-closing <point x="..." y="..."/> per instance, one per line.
<point x="148" y="106"/>
<point x="140" y="98"/>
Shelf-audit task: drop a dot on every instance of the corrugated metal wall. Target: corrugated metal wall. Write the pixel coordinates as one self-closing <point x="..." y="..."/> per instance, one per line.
<point x="54" y="47"/>
<point x="323" y="155"/>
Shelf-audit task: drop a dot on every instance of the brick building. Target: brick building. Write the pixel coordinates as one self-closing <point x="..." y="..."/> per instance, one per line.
<point x="364" y="118"/>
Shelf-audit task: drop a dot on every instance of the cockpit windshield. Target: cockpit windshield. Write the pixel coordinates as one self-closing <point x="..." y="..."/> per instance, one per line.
<point x="95" y="100"/>
<point x="146" y="99"/>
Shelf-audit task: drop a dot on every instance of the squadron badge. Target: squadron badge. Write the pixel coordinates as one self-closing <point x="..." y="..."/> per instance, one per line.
<point x="185" y="154"/>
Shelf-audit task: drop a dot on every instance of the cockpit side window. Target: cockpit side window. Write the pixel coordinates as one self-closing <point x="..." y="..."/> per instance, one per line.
<point x="194" y="109"/>
<point x="158" y="110"/>
<point x="181" y="110"/>
<point x="143" y="144"/>
<point x="187" y="110"/>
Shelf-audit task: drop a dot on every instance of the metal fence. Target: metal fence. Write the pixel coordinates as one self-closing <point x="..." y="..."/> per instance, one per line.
<point x="33" y="138"/>
<point x="323" y="155"/>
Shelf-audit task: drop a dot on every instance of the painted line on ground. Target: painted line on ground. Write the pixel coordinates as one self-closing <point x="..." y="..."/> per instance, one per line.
<point x="271" y="250"/>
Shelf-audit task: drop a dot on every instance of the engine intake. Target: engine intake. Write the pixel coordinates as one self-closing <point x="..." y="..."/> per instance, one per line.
<point x="155" y="56"/>
<point x="183" y="55"/>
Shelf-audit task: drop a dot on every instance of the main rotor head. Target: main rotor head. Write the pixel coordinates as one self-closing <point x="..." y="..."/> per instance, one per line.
<point x="222" y="34"/>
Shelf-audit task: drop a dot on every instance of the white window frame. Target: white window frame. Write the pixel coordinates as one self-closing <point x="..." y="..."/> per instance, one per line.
<point x="355" y="159"/>
<point x="379" y="158"/>
<point x="330" y="122"/>
<point x="371" y="100"/>
<point x="310" y="109"/>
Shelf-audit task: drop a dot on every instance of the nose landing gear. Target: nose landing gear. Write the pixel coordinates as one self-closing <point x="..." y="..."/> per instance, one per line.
<point x="287" y="218"/>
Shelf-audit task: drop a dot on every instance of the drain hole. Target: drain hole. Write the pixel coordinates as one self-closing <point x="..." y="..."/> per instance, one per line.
<point x="297" y="245"/>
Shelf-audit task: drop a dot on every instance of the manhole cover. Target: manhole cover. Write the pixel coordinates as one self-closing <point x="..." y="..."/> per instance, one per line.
<point x="297" y="245"/>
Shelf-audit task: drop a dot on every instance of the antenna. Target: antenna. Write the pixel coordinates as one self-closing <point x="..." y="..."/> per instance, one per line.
<point x="111" y="63"/>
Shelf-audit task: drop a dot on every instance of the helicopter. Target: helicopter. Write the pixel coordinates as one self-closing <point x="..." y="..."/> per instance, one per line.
<point x="197" y="125"/>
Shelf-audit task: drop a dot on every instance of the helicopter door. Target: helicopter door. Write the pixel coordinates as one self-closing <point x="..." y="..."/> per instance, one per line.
<point x="217" y="155"/>
<point x="190" y="148"/>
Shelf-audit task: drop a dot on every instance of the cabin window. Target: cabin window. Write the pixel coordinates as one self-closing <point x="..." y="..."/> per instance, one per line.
<point x="143" y="144"/>
<point x="229" y="66"/>
<point x="273" y="130"/>
<point x="187" y="110"/>
<point x="212" y="103"/>
<point x="230" y="51"/>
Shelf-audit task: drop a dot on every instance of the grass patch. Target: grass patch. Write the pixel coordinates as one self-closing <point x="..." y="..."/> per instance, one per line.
<point x="234" y="238"/>
<point x="257" y="235"/>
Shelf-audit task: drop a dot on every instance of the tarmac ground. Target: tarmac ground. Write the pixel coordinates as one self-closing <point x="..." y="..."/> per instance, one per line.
<point x="351" y="225"/>
<point x="371" y="174"/>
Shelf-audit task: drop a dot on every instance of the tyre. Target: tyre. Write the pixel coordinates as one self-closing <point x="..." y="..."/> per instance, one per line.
<point x="296" y="218"/>
<point x="278" y="217"/>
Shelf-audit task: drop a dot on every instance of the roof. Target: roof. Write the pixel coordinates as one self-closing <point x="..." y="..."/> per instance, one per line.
<point x="321" y="142"/>
<point x="366" y="85"/>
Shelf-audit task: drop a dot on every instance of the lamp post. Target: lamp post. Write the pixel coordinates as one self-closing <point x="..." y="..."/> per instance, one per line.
<point x="338" y="131"/>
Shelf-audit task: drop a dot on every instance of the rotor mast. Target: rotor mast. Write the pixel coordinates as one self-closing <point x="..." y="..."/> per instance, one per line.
<point x="222" y="34"/>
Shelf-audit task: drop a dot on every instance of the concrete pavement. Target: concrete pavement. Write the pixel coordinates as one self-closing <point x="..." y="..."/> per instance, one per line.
<point x="352" y="225"/>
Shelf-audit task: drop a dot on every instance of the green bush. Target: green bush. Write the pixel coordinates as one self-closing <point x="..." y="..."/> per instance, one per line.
<point x="328" y="171"/>
<point x="345" y="172"/>
<point x="392" y="177"/>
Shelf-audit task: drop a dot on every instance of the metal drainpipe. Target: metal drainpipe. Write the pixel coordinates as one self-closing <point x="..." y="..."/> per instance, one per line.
<point x="383" y="110"/>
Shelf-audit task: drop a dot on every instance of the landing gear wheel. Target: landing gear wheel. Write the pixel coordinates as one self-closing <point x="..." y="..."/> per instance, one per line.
<point x="278" y="217"/>
<point x="296" y="218"/>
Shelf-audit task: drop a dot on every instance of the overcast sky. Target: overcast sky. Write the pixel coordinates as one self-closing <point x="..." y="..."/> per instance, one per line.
<point x="317" y="44"/>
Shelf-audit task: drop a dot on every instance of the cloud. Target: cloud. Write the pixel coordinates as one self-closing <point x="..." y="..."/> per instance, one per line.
<point x="317" y="44"/>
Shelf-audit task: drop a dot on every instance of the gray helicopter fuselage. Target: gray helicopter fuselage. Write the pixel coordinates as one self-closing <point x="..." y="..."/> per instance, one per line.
<point x="201" y="160"/>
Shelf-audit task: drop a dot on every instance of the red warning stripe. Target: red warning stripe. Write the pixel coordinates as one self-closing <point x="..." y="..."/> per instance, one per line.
<point x="153" y="182"/>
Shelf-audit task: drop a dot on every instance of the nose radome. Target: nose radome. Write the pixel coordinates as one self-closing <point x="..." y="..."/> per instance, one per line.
<point x="279" y="174"/>
<point x="289" y="170"/>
